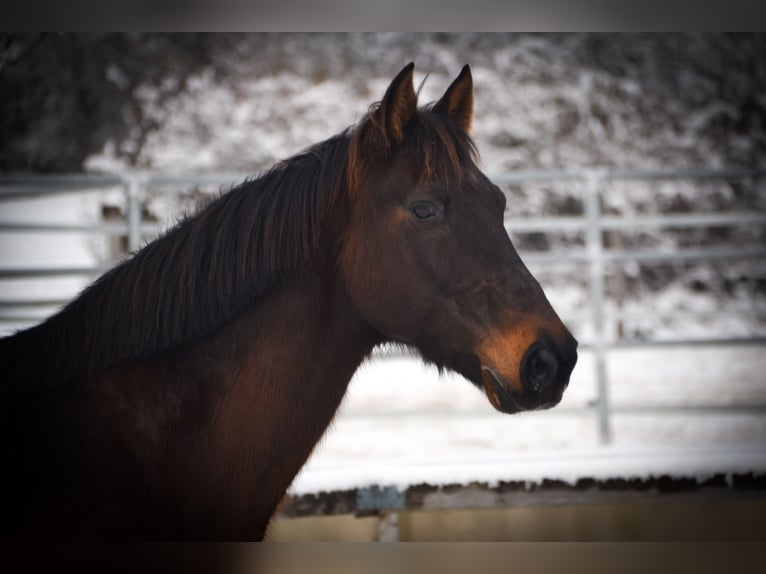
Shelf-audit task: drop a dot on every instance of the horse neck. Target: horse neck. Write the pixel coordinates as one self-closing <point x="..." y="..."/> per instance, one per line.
<point x="289" y="360"/>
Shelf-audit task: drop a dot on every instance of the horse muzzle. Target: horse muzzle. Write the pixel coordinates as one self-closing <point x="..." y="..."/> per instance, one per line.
<point x="535" y="381"/>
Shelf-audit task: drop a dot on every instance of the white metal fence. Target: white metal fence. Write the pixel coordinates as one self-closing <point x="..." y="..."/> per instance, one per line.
<point x="594" y="257"/>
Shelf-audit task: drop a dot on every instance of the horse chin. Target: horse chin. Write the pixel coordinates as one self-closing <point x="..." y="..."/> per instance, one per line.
<point x="497" y="392"/>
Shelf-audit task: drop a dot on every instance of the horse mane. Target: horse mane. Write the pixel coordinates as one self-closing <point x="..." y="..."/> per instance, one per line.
<point x="212" y="265"/>
<point x="201" y="273"/>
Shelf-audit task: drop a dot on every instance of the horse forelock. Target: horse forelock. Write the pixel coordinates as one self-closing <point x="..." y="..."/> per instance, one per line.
<point x="440" y="147"/>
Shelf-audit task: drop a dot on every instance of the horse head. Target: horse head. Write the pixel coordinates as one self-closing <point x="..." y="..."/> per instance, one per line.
<point x="427" y="260"/>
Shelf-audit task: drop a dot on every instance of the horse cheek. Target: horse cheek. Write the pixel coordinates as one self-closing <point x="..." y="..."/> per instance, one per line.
<point x="379" y="282"/>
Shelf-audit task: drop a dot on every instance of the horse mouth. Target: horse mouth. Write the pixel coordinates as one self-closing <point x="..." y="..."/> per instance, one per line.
<point x="497" y="392"/>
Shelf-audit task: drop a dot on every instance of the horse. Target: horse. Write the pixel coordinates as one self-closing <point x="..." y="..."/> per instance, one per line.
<point x="178" y="395"/>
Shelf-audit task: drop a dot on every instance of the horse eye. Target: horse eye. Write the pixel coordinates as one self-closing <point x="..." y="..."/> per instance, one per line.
<point x="424" y="211"/>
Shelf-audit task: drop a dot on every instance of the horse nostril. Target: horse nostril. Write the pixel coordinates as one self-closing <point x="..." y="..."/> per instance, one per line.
<point x="538" y="368"/>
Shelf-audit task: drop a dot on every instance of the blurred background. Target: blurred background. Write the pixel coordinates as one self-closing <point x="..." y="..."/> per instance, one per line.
<point x="634" y="167"/>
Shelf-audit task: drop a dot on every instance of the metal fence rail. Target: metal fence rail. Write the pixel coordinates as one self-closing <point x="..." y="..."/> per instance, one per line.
<point x="592" y="224"/>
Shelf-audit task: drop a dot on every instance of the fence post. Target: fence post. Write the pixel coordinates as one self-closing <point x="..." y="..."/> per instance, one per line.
<point x="594" y="179"/>
<point x="134" y="200"/>
<point x="388" y="527"/>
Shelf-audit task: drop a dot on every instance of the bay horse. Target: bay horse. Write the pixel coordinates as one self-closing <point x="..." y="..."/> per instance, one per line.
<point x="179" y="394"/>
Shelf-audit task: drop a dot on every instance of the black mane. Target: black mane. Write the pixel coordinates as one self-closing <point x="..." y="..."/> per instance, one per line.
<point x="187" y="283"/>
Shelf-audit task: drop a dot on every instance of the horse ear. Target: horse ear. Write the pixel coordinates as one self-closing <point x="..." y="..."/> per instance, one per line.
<point x="398" y="105"/>
<point x="457" y="101"/>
